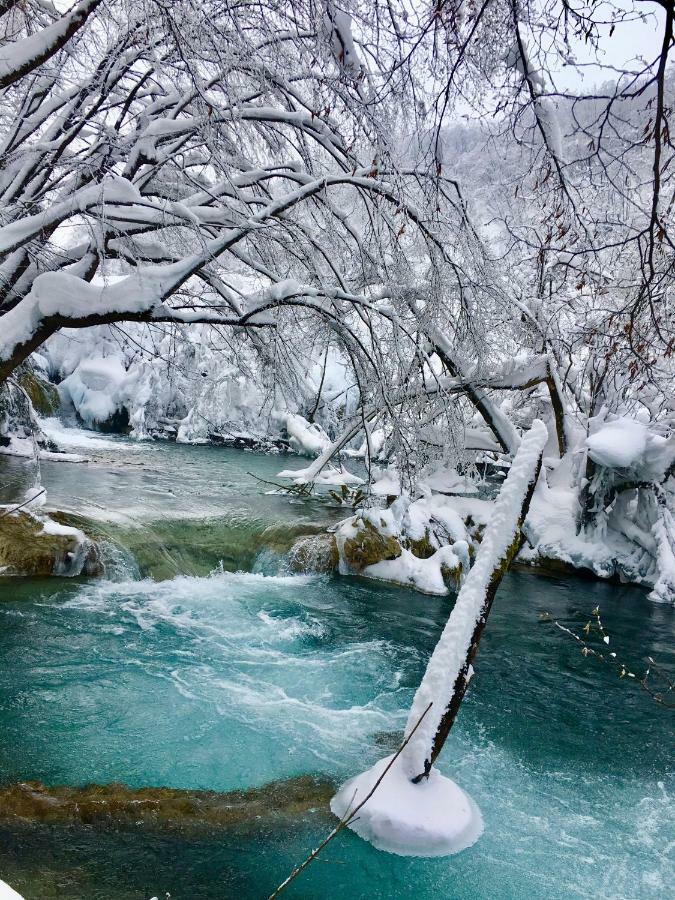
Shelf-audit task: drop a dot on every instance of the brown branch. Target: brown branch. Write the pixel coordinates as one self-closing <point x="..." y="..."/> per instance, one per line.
<point x="9" y="512"/>
<point x="611" y="659"/>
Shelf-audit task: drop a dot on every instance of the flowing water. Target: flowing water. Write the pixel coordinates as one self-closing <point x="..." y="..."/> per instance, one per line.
<point x="164" y="675"/>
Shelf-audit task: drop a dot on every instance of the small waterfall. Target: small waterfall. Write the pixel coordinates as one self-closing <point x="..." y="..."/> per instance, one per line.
<point x="84" y="559"/>
<point x="313" y="554"/>
<point x="118" y="563"/>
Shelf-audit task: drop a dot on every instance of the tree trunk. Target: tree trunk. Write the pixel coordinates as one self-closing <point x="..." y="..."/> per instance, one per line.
<point x="449" y="670"/>
<point x="462" y="681"/>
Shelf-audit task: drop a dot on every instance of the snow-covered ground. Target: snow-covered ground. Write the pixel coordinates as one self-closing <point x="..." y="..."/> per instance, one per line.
<point x="191" y="388"/>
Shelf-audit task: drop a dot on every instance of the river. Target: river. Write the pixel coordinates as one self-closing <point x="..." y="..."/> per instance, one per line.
<point x="197" y="663"/>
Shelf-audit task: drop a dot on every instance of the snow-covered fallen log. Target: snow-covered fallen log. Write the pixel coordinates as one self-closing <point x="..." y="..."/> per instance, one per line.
<point x="416" y="810"/>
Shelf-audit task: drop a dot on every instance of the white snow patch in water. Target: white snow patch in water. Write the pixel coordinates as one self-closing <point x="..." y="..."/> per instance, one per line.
<point x="432" y="818"/>
<point x="26" y="448"/>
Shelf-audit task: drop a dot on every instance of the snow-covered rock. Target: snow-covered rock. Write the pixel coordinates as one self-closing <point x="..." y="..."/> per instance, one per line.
<point x="95" y="388"/>
<point x="430" y="576"/>
<point x="627" y="444"/>
<point x="32" y="544"/>
<point x="423" y="544"/>
<point x="327" y="476"/>
<point x="618" y="444"/>
<point x="305" y="437"/>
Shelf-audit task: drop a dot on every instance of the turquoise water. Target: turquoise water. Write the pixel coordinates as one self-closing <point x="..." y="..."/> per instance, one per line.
<point x="238" y="678"/>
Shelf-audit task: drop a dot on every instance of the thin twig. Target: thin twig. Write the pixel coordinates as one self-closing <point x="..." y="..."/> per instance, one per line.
<point x="8" y="512"/>
<point x="300" y="489"/>
<point x="611" y="659"/>
<point x="351" y="815"/>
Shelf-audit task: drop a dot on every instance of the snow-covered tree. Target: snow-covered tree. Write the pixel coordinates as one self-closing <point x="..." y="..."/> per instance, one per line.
<point x="293" y="174"/>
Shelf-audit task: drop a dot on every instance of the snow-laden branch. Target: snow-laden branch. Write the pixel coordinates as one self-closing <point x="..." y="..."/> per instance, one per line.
<point x="500" y="425"/>
<point x="511" y="377"/>
<point x="114" y="190"/>
<point x="59" y="299"/>
<point x="26" y="54"/>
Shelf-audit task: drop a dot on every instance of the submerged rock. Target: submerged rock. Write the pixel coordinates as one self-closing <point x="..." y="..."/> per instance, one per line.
<point x="259" y="443"/>
<point x="162" y="809"/>
<point x="34" y="545"/>
<point x="389" y="740"/>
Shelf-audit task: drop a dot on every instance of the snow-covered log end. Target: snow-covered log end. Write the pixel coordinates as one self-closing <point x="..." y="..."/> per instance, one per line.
<point x="432" y="818"/>
<point x="8" y="893"/>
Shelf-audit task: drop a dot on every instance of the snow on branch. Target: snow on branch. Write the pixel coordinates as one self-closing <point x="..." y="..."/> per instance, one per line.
<point x="25" y="55"/>
<point x="544" y="110"/>
<point x="339" y="28"/>
<point x="60" y="299"/>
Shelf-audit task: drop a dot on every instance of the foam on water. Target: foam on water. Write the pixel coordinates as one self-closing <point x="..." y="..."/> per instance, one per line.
<point x="251" y="658"/>
<point x="82" y="438"/>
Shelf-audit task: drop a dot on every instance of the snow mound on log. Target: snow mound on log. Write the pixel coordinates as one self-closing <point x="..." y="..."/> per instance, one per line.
<point x="618" y="444"/>
<point x="432" y="818"/>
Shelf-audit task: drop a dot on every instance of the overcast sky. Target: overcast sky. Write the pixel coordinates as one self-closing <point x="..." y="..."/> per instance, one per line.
<point x="631" y="46"/>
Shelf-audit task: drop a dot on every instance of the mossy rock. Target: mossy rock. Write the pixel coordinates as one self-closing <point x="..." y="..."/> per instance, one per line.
<point x="160" y="809"/>
<point x="314" y="553"/>
<point x="280" y="537"/>
<point x="27" y="549"/>
<point x="93" y="529"/>
<point x="422" y="548"/>
<point x="369" y="546"/>
<point x="452" y="576"/>
<point x="43" y="394"/>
